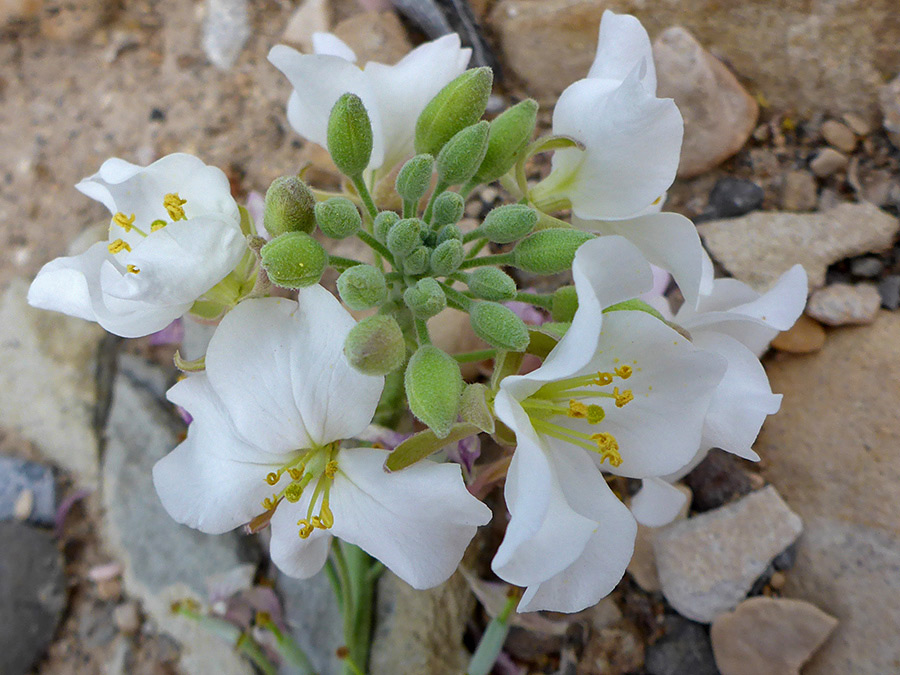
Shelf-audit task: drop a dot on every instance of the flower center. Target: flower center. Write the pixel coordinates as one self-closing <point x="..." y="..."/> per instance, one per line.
<point x="174" y="206"/>
<point x="575" y="398"/>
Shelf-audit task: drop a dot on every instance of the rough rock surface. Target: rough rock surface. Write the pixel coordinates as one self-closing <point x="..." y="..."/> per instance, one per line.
<point x="775" y="636"/>
<point x="642" y="566"/>
<point x="832" y="452"/>
<point x="22" y="481"/>
<point x="374" y="36"/>
<point x="719" y="115"/>
<point x="684" y="650"/>
<point x="312" y="613"/>
<point x="759" y="247"/>
<point x="842" y="304"/>
<point x="708" y="563"/>
<point x="799" y="191"/>
<point x="225" y="31"/>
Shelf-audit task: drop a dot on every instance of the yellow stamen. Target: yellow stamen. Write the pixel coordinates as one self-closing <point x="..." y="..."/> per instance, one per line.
<point x="132" y="269"/>
<point x="157" y="225"/>
<point x="296" y="474"/>
<point x="118" y="246"/>
<point x="608" y="447"/>
<point x="270" y="503"/>
<point x="624" y="372"/>
<point x="623" y="398"/>
<point x="306" y="528"/>
<point x="273" y="478"/>
<point x="327" y="517"/>
<point x="331" y="468"/>
<point x="577" y="409"/>
<point x="123" y="221"/>
<point x="603" y="379"/>
<point x="174" y="206"/>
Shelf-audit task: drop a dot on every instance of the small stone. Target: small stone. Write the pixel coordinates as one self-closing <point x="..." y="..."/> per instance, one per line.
<point x="127" y="617"/>
<point x="843" y="304"/>
<point x="889" y="290"/>
<point x="804" y="337"/>
<point x="642" y="566"/>
<point x="684" y="649"/>
<point x="868" y="267"/>
<point x="798" y="193"/>
<point x="839" y="136"/>
<point x="827" y="162"/>
<point x="775" y="636"/>
<point x="778" y="580"/>
<point x="375" y="36"/>
<point x="889" y="99"/>
<point x="109" y="589"/>
<point x="312" y="16"/>
<point x="858" y="124"/>
<point x="708" y="563"/>
<point x="719" y="114"/>
<point x="72" y="20"/>
<point x="731" y="197"/>
<point x="27" y="491"/>
<point x="225" y="31"/>
<point x="612" y="651"/>
<point x="717" y="480"/>
<point x="24" y="505"/>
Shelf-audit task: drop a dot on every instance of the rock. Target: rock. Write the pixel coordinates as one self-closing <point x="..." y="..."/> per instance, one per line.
<point x="889" y="290"/>
<point x="312" y="16"/>
<point x="889" y="101"/>
<point x="642" y="566"/>
<point x="731" y="197"/>
<point x="717" y="480"/>
<point x="868" y="267"/>
<point x="858" y="124"/>
<point x="139" y="432"/>
<point x="226" y="29"/>
<point x="612" y="651"/>
<point x="775" y="636"/>
<point x="375" y="36"/>
<point x="804" y="337"/>
<point x="72" y="20"/>
<point x="22" y="481"/>
<point x="833" y="456"/>
<point x="827" y="162"/>
<point x="685" y="649"/>
<point x="719" y="115"/>
<point x="312" y="612"/>
<point x="18" y="10"/>
<point x="839" y="136"/>
<point x="47" y="387"/>
<point x="843" y="304"/>
<point x="798" y="192"/>
<point x="420" y="631"/>
<point x="32" y="595"/>
<point x="127" y="617"/>
<point x="759" y="247"/>
<point x="708" y="563"/>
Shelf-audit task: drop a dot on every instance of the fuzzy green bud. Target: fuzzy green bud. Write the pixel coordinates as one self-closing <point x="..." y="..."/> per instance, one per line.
<point x="425" y="299"/>
<point x="338" y="218"/>
<point x="460" y="158"/>
<point x="384" y="221"/>
<point x="294" y="260"/>
<point x="490" y="283"/>
<point x="375" y="346"/>
<point x="549" y="251"/>
<point x="450" y="231"/>
<point x="447" y="257"/>
<point x="507" y="140"/>
<point x="509" y="223"/>
<point x="563" y="304"/>
<point x="289" y="207"/>
<point x="417" y="261"/>
<point x="499" y="326"/>
<point x="456" y="106"/>
<point x="362" y="286"/>
<point x="350" y="135"/>
<point x="414" y="178"/>
<point x="404" y="236"/>
<point x="433" y="387"/>
<point x="448" y="208"/>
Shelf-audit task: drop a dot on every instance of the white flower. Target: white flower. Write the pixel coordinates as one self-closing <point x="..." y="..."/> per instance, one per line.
<point x="394" y="96"/>
<point x="622" y="392"/>
<point x="175" y="233"/>
<point x="276" y="399"/>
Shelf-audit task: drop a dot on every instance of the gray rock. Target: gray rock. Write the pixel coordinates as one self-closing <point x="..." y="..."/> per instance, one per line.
<point x="685" y="649"/>
<point x="867" y="267"/>
<point x="759" y="247"/>
<point x="845" y="304"/>
<point x="731" y="197"/>
<point x="313" y="615"/>
<point x="889" y="100"/>
<point x="717" y="480"/>
<point x="839" y="136"/>
<point x="32" y="595"/>
<point x="17" y="476"/>
<point x="163" y="561"/>
<point x="827" y="162"/>
<point x="225" y="31"/>
<point x="708" y="563"/>
<point x="798" y="192"/>
<point x="889" y="289"/>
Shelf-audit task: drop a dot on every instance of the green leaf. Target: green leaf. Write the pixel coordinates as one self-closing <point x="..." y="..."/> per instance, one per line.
<point x="474" y="408"/>
<point x="433" y="386"/>
<point x="426" y="443"/>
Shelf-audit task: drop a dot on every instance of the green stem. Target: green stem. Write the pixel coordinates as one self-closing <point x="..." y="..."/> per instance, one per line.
<point x="474" y="234"/>
<point x="545" y="301"/>
<point x="495" y="259"/>
<point x="439" y="189"/>
<point x="364" y="194"/>
<point x="290" y="650"/>
<point x="478" y="355"/>
<point x="376" y="245"/>
<point x="491" y="643"/>
<point x="242" y="642"/>
<point x="466" y="189"/>
<point x="422" y="332"/>
<point x="461" y="300"/>
<point x="338" y="262"/>
<point x="409" y="208"/>
<point x="476" y="249"/>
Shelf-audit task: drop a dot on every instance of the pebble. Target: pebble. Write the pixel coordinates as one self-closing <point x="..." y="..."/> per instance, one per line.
<point x="839" y="136"/>
<point x="127" y="617"/>
<point x="889" y="290"/>
<point x="708" y="563"/>
<point x="804" y="337"/>
<point x="226" y="29"/>
<point x="868" y="266"/>
<point x="27" y="491"/>
<point x="858" y="124"/>
<point x="799" y="191"/>
<point x="845" y="304"/>
<point x="612" y="651"/>
<point x="311" y="16"/>
<point x="889" y="100"/>
<point x="717" y="480"/>
<point x="685" y="649"/>
<point x="375" y="36"/>
<point x="759" y="247"/>
<point x="732" y="197"/>
<point x="827" y="162"/>
<point x="775" y="636"/>
<point x="719" y="115"/>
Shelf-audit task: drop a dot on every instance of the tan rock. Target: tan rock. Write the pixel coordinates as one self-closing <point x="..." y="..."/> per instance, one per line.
<point x="775" y="636"/>
<point x="839" y="136"/>
<point x="804" y="337"/>
<point x="375" y="36"/>
<point x="612" y="651"/>
<point x="642" y="566"/>
<point x="889" y="101"/>
<point x="72" y="20"/>
<point x="827" y="162"/>
<point x="719" y="115"/>
<point x="759" y="247"/>
<point x="312" y="16"/>
<point x="844" y="304"/>
<point x="859" y="125"/>
<point x="18" y="10"/>
<point x="799" y="192"/>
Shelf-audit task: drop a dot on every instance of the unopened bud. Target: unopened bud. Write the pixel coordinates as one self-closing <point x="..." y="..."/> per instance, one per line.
<point x="450" y="231"/>
<point x="338" y="218"/>
<point x="507" y="140"/>
<point x="384" y="221"/>
<point x="509" y="223"/>
<point x="499" y="326"/>
<point x="448" y="208"/>
<point x="459" y="104"/>
<point x="447" y="258"/>
<point x="375" y="346"/>
<point x="414" y="178"/>
<point x="433" y="387"/>
<point x="350" y="135"/>
<point x="289" y="207"/>
<point x="404" y="236"/>
<point x="294" y="260"/>
<point x="417" y="261"/>
<point x="362" y="286"/>
<point x="564" y="304"/>
<point x="425" y="299"/>
<point x="549" y="251"/>
<point x="460" y="158"/>
<point x="490" y="283"/>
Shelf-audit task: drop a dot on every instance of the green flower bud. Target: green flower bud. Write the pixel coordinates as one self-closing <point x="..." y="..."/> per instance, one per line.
<point x="414" y="178"/>
<point x="350" y="135"/>
<point x="448" y="208"/>
<point x="460" y="158"/>
<point x="564" y="304"/>
<point x="338" y="218"/>
<point x="508" y="138"/>
<point x="509" y="223"/>
<point x="447" y="257"/>
<point x="549" y="251"/>
<point x="375" y="346"/>
<point x="417" y="261"/>
<point x="456" y="106"/>
<point x="499" y="326"/>
<point x="433" y="387"/>
<point x="384" y="221"/>
<point x="362" y="286"/>
<point x="450" y="231"/>
<point x="490" y="283"/>
<point x="289" y="207"/>
<point x="294" y="260"/>
<point x="404" y="236"/>
<point x="425" y="299"/>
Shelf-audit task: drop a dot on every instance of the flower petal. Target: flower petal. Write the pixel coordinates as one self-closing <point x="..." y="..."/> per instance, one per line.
<point x="68" y="284"/>
<point x="296" y="557"/>
<point x="657" y="503"/>
<point x="623" y="43"/>
<point x="329" y="44"/>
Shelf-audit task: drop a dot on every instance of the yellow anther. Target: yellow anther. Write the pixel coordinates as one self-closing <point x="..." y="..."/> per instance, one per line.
<point x="157" y="225"/>
<point x="174" y="206"/>
<point x="327" y="517"/>
<point x="295" y="474"/>
<point x="577" y="409"/>
<point x="623" y="398"/>
<point x="273" y="478"/>
<point x="123" y="221"/>
<point x="118" y="246"/>
<point x="624" y="372"/>
<point x="270" y="503"/>
<point x="132" y="269"/>
<point x="608" y="447"/>
<point x="331" y="468"/>
<point x="604" y="379"/>
<point x="293" y="492"/>
<point x="595" y="414"/>
<point x="306" y="528"/>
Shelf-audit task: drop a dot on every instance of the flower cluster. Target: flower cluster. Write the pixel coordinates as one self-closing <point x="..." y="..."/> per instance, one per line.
<point x="284" y="401"/>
